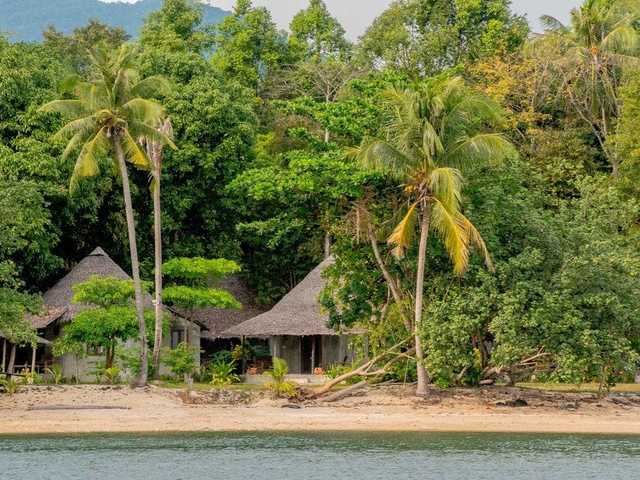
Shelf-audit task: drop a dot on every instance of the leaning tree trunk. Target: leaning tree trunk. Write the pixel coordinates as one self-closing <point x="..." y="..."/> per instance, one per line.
<point x="135" y="264"/>
<point x="425" y="221"/>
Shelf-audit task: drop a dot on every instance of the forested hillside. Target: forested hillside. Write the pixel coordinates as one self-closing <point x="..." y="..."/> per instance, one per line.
<point x="25" y="20"/>
<point x="478" y="185"/>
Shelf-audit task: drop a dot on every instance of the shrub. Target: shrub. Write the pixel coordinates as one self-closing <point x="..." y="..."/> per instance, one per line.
<point x="31" y="378"/>
<point x="181" y="360"/>
<point x="10" y="385"/>
<point x="222" y="374"/>
<point x="55" y="372"/>
<point x="280" y="387"/>
<point x="111" y="375"/>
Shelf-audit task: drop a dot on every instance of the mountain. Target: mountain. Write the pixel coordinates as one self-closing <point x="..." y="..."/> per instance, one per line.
<point x="24" y="20"/>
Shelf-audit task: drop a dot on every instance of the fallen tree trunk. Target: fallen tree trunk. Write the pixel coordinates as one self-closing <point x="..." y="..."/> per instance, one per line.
<point x="364" y="370"/>
<point x="346" y="392"/>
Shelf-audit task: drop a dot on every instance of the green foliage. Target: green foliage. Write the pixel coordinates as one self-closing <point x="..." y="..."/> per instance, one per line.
<point x="104" y="292"/>
<point x="111" y="375"/>
<point x="55" y="372"/>
<point x="222" y="373"/>
<point x="10" y="385"/>
<point x="198" y="271"/>
<point x="422" y="37"/>
<point x="13" y="307"/>
<point x="181" y="360"/>
<point x="248" y="45"/>
<point x="280" y="387"/>
<point x="317" y="33"/>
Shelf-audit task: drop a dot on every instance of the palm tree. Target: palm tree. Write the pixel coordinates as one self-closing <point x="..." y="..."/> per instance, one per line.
<point x="431" y="132"/>
<point x="590" y="56"/>
<point x="109" y="112"/>
<point x="154" y="153"/>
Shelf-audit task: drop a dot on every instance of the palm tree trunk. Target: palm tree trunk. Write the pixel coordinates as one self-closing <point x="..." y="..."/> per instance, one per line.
<point x="157" y="234"/>
<point x="425" y="222"/>
<point x="135" y="264"/>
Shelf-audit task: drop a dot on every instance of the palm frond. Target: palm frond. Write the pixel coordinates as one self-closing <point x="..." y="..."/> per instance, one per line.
<point x="87" y="162"/>
<point x="490" y="148"/>
<point x="476" y="240"/>
<point x="552" y="24"/>
<point x="78" y="126"/>
<point x="68" y="108"/>
<point x="139" y="129"/>
<point x="623" y="39"/>
<point x="150" y="87"/>
<point x="452" y="229"/>
<point x="403" y="234"/>
<point x="133" y="153"/>
<point x="143" y="110"/>
<point x="382" y="156"/>
<point x="446" y="184"/>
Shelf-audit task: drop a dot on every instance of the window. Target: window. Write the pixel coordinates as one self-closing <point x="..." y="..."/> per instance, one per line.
<point x="177" y="337"/>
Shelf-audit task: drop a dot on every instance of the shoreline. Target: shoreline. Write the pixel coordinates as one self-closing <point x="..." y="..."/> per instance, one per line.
<point x="101" y="410"/>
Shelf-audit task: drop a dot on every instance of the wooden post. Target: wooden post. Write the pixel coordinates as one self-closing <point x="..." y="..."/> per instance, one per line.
<point x="12" y="358"/>
<point x="34" y="348"/>
<point x="244" y="360"/>
<point x="313" y="353"/>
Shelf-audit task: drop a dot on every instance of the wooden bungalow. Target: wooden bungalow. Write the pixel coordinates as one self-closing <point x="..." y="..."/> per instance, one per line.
<point x="60" y="310"/>
<point x="297" y="328"/>
<point x="217" y="320"/>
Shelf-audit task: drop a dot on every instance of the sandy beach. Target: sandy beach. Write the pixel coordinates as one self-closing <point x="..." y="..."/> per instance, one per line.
<point x="93" y="409"/>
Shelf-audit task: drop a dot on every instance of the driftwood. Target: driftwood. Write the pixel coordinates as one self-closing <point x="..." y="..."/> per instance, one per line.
<point x="347" y="392"/>
<point x="365" y="370"/>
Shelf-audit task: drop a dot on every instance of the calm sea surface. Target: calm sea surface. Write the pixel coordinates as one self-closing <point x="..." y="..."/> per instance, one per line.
<point x="320" y="456"/>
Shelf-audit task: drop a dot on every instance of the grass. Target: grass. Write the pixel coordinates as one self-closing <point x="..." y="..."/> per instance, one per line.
<point x="582" y="388"/>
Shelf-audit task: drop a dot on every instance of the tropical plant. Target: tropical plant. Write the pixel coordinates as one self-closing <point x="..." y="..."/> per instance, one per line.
<point x="11" y="385"/>
<point x="109" y="113"/>
<point x="111" y="375"/>
<point x="431" y="132"/>
<point x="55" y="372"/>
<point x="590" y="56"/>
<point x="111" y="322"/>
<point x="222" y="374"/>
<point x="181" y="360"/>
<point x="280" y="387"/>
<point x="31" y="377"/>
<point x="194" y="293"/>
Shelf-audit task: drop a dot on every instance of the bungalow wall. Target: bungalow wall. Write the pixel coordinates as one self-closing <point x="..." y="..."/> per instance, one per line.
<point x="297" y="351"/>
<point x="84" y="367"/>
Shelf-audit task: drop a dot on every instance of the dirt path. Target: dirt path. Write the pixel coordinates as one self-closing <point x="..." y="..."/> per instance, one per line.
<point x="86" y="409"/>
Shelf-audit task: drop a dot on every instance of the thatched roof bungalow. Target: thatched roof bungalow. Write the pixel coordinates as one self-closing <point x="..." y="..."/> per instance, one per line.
<point x="60" y="309"/>
<point x="297" y="327"/>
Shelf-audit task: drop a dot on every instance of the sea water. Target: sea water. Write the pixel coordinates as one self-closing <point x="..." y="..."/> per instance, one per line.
<point x="319" y="456"/>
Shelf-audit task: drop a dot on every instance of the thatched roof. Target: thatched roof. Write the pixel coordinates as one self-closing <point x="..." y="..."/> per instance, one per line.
<point x="298" y="314"/>
<point x="217" y="320"/>
<point x="49" y="316"/>
<point x="58" y="299"/>
<point x="40" y="340"/>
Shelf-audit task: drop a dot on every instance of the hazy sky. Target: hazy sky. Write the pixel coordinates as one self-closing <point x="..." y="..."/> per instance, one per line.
<point x="357" y="15"/>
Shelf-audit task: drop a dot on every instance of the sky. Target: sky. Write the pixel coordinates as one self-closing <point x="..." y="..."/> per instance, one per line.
<point x="357" y="15"/>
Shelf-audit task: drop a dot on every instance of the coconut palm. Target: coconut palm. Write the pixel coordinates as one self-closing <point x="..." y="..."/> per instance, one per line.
<point x="590" y="56"/>
<point x="432" y="131"/>
<point x="108" y="113"/>
<point x="155" y="153"/>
